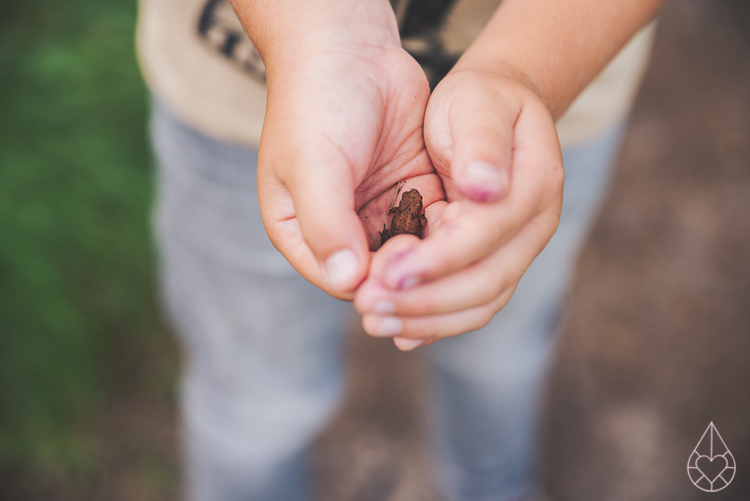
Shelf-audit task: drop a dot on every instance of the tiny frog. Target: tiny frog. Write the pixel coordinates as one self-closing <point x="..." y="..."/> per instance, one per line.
<point x="408" y="217"/>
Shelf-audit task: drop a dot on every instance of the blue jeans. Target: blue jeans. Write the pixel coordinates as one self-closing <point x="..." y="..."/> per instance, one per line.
<point x="263" y="367"/>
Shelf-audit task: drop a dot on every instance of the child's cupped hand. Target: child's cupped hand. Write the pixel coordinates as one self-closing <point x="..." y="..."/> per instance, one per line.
<point x="343" y="127"/>
<point x="495" y="148"/>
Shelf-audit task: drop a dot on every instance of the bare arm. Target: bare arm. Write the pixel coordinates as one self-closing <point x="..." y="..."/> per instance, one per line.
<point x="556" y="47"/>
<point x="490" y="133"/>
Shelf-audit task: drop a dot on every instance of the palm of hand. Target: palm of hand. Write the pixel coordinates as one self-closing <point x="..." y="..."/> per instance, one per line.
<point x="399" y="152"/>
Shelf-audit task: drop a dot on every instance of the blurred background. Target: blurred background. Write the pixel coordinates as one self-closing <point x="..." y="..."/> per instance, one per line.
<point x="656" y="344"/>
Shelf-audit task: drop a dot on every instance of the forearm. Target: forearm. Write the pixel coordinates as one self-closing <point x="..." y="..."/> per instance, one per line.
<point x="556" y="47"/>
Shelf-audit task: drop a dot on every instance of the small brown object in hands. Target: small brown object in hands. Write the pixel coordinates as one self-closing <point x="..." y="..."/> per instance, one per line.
<point x="408" y="217"/>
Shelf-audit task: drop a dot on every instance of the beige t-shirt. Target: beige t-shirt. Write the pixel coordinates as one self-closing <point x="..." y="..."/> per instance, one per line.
<point x="196" y="59"/>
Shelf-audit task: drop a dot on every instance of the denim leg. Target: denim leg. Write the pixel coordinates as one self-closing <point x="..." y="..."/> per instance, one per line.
<point x="262" y="346"/>
<point x="488" y="383"/>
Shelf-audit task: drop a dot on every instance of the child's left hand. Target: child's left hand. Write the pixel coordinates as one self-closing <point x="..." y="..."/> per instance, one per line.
<point x="495" y="147"/>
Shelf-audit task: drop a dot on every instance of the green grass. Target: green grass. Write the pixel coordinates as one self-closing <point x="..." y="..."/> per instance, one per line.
<point x="76" y="300"/>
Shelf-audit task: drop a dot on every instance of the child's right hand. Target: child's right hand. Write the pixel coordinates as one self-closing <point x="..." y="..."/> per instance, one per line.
<point x="343" y="126"/>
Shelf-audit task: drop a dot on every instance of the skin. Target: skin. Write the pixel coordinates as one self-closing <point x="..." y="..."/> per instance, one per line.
<point x="343" y="126"/>
<point x="349" y="114"/>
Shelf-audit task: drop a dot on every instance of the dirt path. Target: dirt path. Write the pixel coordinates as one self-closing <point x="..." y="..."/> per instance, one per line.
<point x="659" y="336"/>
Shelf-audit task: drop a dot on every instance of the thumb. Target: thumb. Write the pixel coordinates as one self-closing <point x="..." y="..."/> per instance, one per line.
<point x="481" y="128"/>
<point x="321" y="185"/>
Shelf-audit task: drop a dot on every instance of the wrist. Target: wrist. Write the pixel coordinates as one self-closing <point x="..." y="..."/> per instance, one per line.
<point x="559" y="46"/>
<point x="285" y="31"/>
<point x="499" y="70"/>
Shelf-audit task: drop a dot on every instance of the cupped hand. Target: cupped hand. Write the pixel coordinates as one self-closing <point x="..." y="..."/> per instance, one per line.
<point x="495" y="148"/>
<point x="343" y="126"/>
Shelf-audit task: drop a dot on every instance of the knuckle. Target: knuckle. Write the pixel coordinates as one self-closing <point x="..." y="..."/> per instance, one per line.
<point x="503" y="298"/>
<point x="558" y="175"/>
<point x="488" y="315"/>
<point x="481" y="319"/>
<point x="424" y="306"/>
<point x="495" y="288"/>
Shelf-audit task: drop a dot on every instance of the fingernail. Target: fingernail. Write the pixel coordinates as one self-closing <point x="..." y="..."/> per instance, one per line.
<point x="407" y="282"/>
<point x="486" y="181"/>
<point x="399" y="272"/>
<point x="399" y="280"/>
<point x="389" y="326"/>
<point x="340" y="268"/>
<point x="407" y="344"/>
<point x="384" y="307"/>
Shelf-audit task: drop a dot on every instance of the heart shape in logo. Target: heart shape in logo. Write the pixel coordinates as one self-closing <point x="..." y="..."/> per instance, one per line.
<point x="711" y="468"/>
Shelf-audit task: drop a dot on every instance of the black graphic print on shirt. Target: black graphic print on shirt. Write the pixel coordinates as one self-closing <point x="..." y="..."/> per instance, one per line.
<point x="422" y="20"/>
<point x="220" y="28"/>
